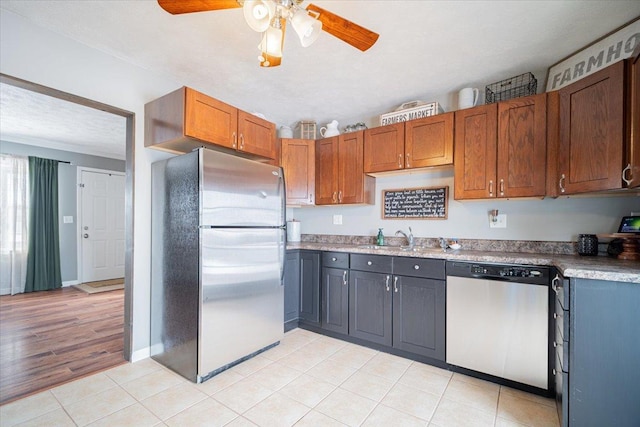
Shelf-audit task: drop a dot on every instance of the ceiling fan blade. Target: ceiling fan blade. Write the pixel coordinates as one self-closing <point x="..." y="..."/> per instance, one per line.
<point x="176" y="7"/>
<point x="357" y="36"/>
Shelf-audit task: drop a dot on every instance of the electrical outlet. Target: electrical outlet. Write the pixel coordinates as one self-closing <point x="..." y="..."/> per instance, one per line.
<point x="337" y="220"/>
<point x="67" y="219"/>
<point x="501" y="221"/>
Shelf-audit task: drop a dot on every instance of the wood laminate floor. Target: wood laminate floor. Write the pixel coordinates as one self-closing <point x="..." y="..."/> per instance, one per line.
<point x="52" y="337"/>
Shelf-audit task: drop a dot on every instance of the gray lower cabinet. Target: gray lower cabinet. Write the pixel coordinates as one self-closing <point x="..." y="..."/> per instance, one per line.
<point x="604" y="354"/>
<point x="310" y="287"/>
<point x="291" y="286"/>
<point x="370" y="306"/>
<point x="335" y="299"/>
<point x="419" y="316"/>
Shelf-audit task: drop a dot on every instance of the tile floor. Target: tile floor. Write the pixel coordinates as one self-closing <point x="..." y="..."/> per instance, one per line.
<point x="308" y="380"/>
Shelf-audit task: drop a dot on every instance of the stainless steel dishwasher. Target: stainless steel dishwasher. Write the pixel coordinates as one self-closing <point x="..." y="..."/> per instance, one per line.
<point x="498" y="320"/>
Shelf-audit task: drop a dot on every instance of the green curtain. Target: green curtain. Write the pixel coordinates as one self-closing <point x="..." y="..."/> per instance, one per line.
<point x="43" y="259"/>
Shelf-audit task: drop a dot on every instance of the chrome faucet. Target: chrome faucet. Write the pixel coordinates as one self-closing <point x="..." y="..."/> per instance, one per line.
<point x="443" y="243"/>
<point x="409" y="238"/>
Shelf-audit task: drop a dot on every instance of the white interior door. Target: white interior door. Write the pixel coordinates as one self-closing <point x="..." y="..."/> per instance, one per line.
<point x="102" y="226"/>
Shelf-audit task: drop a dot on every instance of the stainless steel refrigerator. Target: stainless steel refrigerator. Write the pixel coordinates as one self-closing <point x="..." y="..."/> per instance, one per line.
<point x="218" y="245"/>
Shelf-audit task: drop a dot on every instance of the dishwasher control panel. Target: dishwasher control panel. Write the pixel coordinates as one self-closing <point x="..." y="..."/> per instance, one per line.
<point x="515" y="273"/>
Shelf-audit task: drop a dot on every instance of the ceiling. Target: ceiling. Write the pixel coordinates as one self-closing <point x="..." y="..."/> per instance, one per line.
<point x="427" y="50"/>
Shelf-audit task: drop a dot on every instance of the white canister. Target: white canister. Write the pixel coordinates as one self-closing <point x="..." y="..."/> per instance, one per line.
<point x="293" y="231"/>
<point x="468" y="97"/>
<point x="285" y="132"/>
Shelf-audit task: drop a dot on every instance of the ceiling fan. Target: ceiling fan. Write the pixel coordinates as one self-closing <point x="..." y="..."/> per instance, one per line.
<point x="269" y="17"/>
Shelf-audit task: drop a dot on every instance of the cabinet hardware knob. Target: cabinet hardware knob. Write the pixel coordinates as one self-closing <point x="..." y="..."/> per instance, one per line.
<point x="624" y="174"/>
<point x="555" y="315"/>
<point x="86" y="236"/>
<point x="416" y="267"/>
<point x="555" y="344"/>
<point x="334" y="259"/>
<point x="561" y="183"/>
<point x="554" y="372"/>
<point x="369" y="263"/>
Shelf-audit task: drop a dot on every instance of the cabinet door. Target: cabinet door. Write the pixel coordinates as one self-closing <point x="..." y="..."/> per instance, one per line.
<point x="591" y="147"/>
<point x="210" y="120"/>
<point x="522" y="146"/>
<point x="335" y="300"/>
<point x="384" y="148"/>
<point x="298" y="160"/>
<point x="419" y="316"/>
<point x="429" y="141"/>
<point x="351" y="168"/>
<point x="370" y="306"/>
<point x="310" y="286"/>
<point x="633" y="174"/>
<point x="327" y="171"/>
<point x="475" y="152"/>
<point x="256" y="136"/>
<point x="291" y="285"/>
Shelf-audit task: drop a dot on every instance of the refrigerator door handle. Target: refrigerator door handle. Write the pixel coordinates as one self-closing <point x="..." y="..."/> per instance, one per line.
<point x="282" y="253"/>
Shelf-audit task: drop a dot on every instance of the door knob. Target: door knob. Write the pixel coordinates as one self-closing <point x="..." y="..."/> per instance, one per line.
<point x="86" y="236"/>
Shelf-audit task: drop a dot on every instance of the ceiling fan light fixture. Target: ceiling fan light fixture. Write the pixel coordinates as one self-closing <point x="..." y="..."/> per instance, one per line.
<point x="258" y="14"/>
<point x="306" y="27"/>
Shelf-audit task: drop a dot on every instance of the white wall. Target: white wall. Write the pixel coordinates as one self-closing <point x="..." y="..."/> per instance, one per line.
<point x="35" y="54"/>
<point x="559" y="219"/>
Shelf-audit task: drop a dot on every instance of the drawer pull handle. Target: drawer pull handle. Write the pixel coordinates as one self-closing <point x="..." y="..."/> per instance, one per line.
<point x="555" y="344"/>
<point x="369" y="263"/>
<point x="395" y="284"/>
<point x="555" y="315"/>
<point x="344" y="278"/>
<point x="416" y="267"/>
<point x="554" y="372"/>
<point x="386" y="283"/>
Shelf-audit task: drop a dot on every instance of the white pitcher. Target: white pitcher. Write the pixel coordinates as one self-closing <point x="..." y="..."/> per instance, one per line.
<point x="468" y="97"/>
<point x="330" y="130"/>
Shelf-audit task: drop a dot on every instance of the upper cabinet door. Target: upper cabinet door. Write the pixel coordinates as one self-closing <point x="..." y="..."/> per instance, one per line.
<point x="210" y="120"/>
<point x="327" y="171"/>
<point x="298" y="160"/>
<point x="256" y="136"/>
<point x="522" y="146"/>
<point x="351" y="168"/>
<point x="475" y="152"/>
<point x="429" y="141"/>
<point x="632" y="175"/>
<point x="591" y="146"/>
<point x="384" y="148"/>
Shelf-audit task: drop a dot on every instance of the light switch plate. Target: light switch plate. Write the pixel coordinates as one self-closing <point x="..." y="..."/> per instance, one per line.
<point x="337" y="220"/>
<point x="500" y="223"/>
<point x="67" y="219"/>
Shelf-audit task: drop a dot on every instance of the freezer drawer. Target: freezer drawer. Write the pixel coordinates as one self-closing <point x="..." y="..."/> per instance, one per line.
<point x="242" y="297"/>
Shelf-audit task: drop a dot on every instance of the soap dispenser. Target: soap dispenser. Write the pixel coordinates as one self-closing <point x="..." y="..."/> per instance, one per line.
<point x="380" y="240"/>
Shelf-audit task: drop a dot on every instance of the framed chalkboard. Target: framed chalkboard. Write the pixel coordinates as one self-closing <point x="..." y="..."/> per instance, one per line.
<point x="415" y="203"/>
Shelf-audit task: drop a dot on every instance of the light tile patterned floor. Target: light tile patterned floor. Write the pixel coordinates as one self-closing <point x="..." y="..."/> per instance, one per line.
<point x="308" y="380"/>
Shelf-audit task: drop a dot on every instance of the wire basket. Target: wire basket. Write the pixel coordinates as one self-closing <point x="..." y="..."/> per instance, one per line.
<point x="514" y="87"/>
<point x="307" y="129"/>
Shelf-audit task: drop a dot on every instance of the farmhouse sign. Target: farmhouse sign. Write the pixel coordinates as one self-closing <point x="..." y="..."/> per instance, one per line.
<point x="415" y="203"/>
<point x="606" y="51"/>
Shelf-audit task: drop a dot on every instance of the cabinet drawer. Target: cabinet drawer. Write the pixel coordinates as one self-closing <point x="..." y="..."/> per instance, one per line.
<point x="419" y="267"/>
<point x="562" y="352"/>
<point x="335" y="259"/>
<point x="562" y="321"/>
<point x="561" y="287"/>
<point x="374" y="263"/>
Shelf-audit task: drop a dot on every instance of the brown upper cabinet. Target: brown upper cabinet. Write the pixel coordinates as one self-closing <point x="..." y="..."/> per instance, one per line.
<point x="298" y="158"/>
<point x="340" y="177"/>
<point x="591" y="133"/>
<point x="407" y="145"/>
<point x="186" y="119"/>
<point x="501" y="149"/>
<point x="632" y="171"/>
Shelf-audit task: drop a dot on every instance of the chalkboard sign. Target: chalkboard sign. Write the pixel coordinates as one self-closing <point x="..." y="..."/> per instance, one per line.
<point x="415" y="203"/>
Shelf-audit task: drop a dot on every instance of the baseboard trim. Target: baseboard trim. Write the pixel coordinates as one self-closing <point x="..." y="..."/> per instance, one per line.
<point x="70" y="283"/>
<point x="141" y="354"/>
